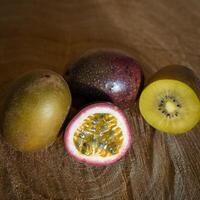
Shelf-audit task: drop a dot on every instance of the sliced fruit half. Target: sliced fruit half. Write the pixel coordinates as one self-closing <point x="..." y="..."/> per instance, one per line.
<point x="169" y="103"/>
<point x="98" y="135"/>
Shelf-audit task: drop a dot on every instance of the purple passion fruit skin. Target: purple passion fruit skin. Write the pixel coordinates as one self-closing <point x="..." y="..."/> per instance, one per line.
<point x="99" y="135"/>
<point x="35" y="109"/>
<point x="106" y="76"/>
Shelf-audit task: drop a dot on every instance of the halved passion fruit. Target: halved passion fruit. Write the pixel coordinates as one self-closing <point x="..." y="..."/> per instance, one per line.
<point x="98" y="135"/>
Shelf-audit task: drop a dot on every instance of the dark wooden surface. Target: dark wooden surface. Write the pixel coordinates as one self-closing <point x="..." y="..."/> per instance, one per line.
<point x="52" y="34"/>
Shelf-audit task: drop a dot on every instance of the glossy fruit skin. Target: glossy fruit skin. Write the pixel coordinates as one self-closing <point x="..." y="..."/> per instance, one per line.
<point x="176" y="72"/>
<point x="35" y="109"/>
<point x="81" y="113"/>
<point x="107" y="76"/>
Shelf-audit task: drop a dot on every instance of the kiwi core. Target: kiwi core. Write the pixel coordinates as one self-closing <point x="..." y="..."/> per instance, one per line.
<point x="170" y="106"/>
<point x="99" y="134"/>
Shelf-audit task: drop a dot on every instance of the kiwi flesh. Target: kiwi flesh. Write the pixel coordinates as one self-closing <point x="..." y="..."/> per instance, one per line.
<point x="170" y="101"/>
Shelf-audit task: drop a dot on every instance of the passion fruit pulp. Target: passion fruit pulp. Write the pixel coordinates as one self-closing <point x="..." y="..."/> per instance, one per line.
<point x="98" y="135"/>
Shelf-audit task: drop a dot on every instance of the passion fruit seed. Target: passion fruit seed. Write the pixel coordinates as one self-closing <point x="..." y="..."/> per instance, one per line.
<point x="99" y="134"/>
<point x="169" y="106"/>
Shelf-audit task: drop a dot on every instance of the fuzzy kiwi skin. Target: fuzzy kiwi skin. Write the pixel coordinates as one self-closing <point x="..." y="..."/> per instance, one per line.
<point x="106" y="76"/>
<point x="35" y="109"/>
<point x="177" y="72"/>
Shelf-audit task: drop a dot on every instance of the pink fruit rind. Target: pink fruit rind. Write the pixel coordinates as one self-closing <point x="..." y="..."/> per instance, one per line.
<point x="87" y="160"/>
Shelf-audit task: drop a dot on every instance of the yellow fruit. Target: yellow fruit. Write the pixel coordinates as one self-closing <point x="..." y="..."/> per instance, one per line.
<point x="169" y="102"/>
<point x="35" y="110"/>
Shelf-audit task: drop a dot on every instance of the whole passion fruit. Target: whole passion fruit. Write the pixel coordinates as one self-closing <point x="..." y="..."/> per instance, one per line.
<point x="98" y="135"/>
<point x="107" y="76"/>
<point x="35" y="110"/>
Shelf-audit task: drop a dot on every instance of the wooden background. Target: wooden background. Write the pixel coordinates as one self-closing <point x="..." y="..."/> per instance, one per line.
<point x="54" y="33"/>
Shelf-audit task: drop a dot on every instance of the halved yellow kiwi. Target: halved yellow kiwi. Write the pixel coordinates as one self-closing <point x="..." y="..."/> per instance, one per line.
<point x="169" y="102"/>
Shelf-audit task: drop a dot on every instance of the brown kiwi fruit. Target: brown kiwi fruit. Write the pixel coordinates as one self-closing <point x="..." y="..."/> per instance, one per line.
<point x="34" y="110"/>
<point x="170" y="101"/>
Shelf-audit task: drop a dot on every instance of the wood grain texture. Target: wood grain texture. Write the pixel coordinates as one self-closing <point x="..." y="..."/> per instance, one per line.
<point x="52" y="34"/>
